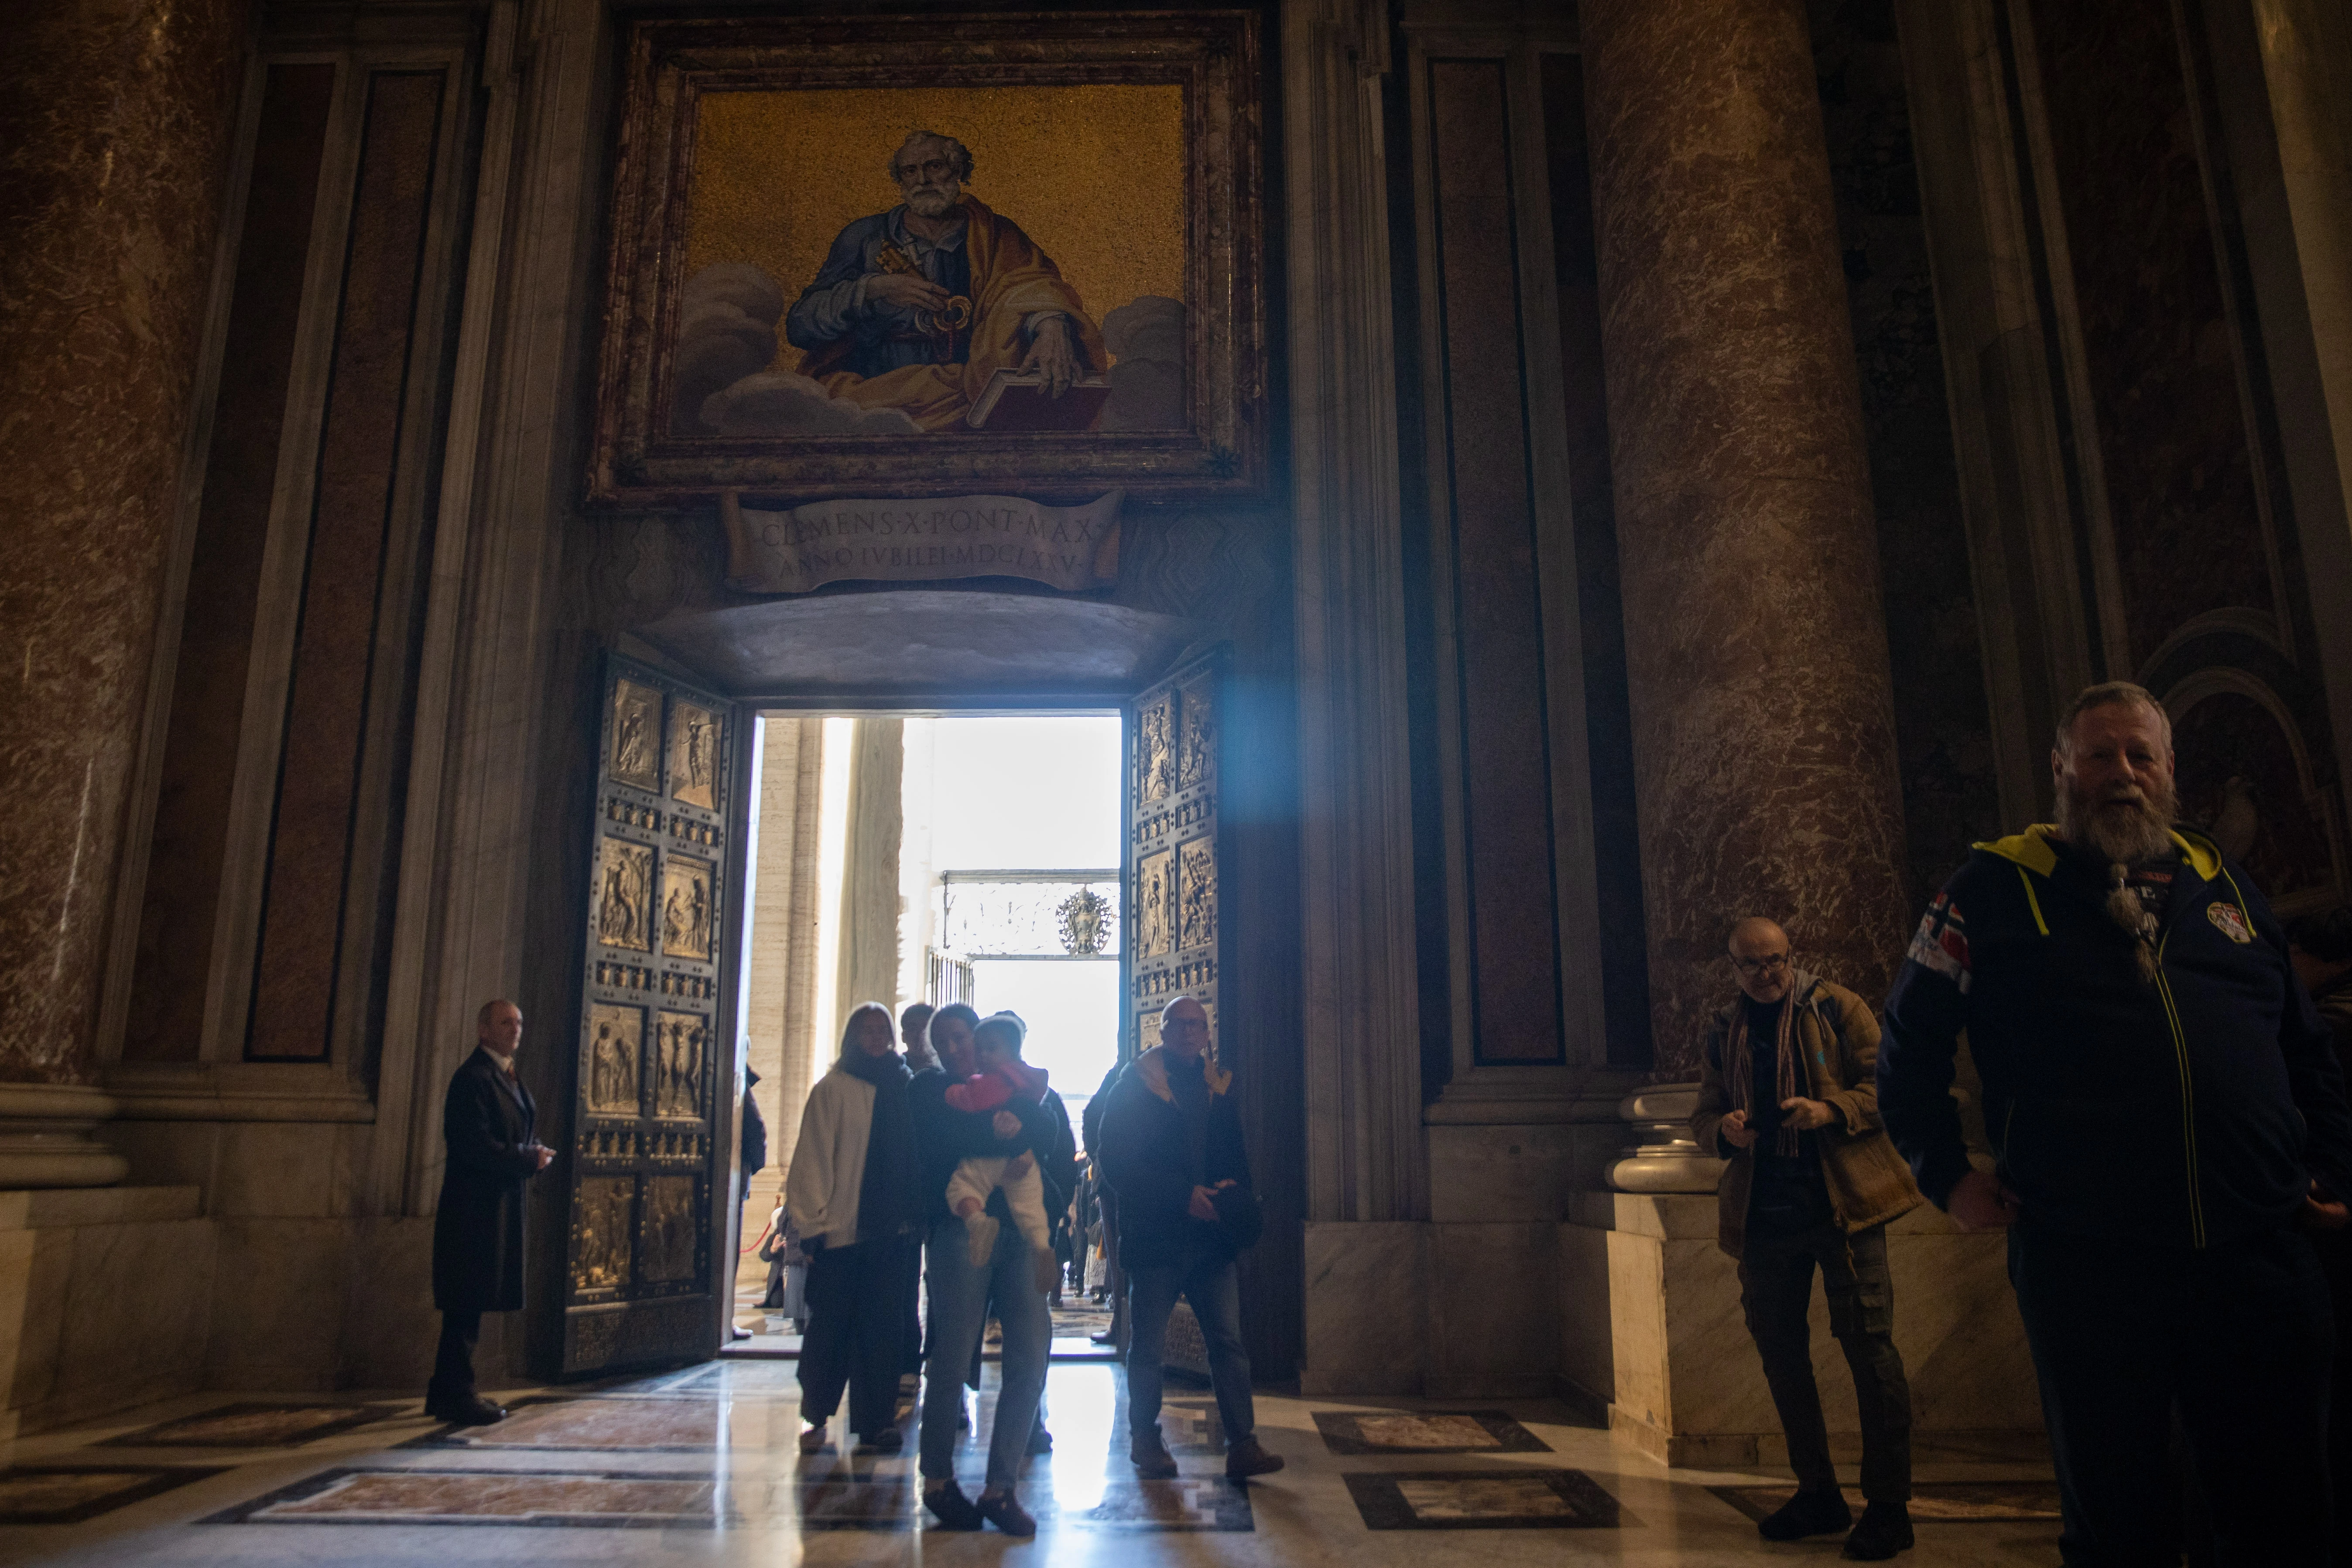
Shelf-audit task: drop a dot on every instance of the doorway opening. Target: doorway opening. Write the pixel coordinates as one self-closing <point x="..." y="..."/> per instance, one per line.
<point x="924" y="857"/>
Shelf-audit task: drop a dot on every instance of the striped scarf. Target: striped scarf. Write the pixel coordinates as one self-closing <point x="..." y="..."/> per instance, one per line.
<point x="1739" y="1065"/>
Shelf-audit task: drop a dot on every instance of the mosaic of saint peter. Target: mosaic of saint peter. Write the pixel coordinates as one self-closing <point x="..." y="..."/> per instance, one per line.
<point x="915" y="308"/>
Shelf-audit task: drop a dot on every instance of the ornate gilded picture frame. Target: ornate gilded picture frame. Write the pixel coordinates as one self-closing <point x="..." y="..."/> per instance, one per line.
<point x="1037" y="272"/>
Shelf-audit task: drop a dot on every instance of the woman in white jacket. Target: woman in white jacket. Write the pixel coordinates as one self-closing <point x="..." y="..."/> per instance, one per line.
<point x="852" y="1196"/>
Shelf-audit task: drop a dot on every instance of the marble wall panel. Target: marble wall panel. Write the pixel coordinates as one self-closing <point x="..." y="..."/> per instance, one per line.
<point x="1587" y="1359"/>
<point x="114" y="1315"/>
<point x="280" y="1170"/>
<point x="389" y="1326"/>
<point x="312" y="850"/>
<point x="1504" y="1172"/>
<point x="1367" y="1329"/>
<point x="208" y="677"/>
<point x="1498" y="623"/>
<point x="118" y="121"/>
<point x="280" y="1280"/>
<point x="1623" y="960"/>
<point x="2177" y="464"/>
<point x="1494" y="1309"/>
<point x="169" y="1153"/>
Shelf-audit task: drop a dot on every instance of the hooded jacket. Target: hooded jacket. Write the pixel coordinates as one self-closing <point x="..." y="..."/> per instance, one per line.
<point x="2185" y="1114"/>
<point x="1837" y="1042"/>
<point x="1146" y="1159"/>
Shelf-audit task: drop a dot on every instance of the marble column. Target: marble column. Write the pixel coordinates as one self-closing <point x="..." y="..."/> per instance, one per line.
<point x="116" y="118"/>
<point x="1763" y="724"/>
<point x="869" y="879"/>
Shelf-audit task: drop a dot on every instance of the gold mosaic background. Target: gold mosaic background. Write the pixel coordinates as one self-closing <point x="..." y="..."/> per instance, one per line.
<point x="1094" y="175"/>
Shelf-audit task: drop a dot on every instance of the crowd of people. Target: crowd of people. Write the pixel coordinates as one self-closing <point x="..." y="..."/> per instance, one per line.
<point x="2163" y="1136"/>
<point x="2156" y="1069"/>
<point x="952" y="1170"/>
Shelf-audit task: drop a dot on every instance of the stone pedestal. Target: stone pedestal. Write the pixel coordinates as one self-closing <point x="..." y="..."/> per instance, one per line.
<point x="1763" y="723"/>
<point x="1662" y="1158"/>
<point x="1680" y="1376"/>
<point x="117" y="121"/>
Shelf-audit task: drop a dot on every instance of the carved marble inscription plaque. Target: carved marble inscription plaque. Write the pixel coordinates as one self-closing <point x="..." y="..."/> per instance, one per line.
<point x="669" y="1229"/>
<point x="600" y="1233"/>
<point x="1155" y="750"/>
<point x="1155" y="884"/>
<point x="636" y="736"/>
<point x="693" y="755"/>
<point x="687" y="912"/>
<point x="1196" y="749"/>
<point x="615" y="1042"/>
<point x="1196" y="878"/>
<point x="625" y="880"/>
<point x="681" y="1046"/>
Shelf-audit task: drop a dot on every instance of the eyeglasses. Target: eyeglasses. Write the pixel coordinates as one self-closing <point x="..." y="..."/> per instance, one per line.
<point x="1770" y="964"/>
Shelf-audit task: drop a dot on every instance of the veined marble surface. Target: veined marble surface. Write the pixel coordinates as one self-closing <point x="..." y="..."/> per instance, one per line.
<point x="716" y="1478"/>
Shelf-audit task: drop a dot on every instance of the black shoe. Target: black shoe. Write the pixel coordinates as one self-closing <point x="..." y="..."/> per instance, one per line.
<point x="474" y="1411"/>
<point x="952" y="1508"/>
<point x="1003" y="1510"/>
<point x="1807" y="1513"/>
<point x="1885" y="1529"/>
<point x="888" y="1440"/>
<point x="1040" y="1440"/>
<point x="1153" y="1462"/>
<point x="1249" y="1457"/>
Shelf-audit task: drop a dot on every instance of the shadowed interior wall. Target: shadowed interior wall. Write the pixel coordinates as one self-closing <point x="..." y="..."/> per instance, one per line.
<point x="184" y="874"/>
<point x="1499" y="630"/>
<point x="312" y="847"/>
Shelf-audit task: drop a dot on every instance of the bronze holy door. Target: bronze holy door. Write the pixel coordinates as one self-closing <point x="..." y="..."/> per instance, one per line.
<point x="651" y="1094"/>
<point x="1172" y="850"/>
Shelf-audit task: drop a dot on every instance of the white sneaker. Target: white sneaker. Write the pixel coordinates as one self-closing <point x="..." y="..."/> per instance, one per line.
<point x="980" y="1235"/>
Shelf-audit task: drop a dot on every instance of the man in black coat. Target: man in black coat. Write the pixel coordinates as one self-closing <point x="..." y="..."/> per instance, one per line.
<point x="488" y="1124"/>
<point x="1171" y="1149"/>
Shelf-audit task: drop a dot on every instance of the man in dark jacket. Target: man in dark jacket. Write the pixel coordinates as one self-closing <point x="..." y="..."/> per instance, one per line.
<point x="2320" y="947"/>
<point x="487" y="1123"/>
<point x="2168" y="1119"/>
<point x="1787" y="1092"/>
<point x="1171" y="1149"/>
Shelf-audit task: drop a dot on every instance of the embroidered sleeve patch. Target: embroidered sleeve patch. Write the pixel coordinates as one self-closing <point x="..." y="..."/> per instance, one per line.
<point x="2232" y="923"/>
<point x="1942" y="942"/>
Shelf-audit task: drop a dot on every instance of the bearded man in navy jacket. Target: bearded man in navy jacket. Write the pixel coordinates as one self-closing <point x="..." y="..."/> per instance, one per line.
<point x="2168" y="1123"/>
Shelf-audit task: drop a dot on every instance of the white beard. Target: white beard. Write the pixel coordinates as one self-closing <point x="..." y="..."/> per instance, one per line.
<point x="2124" y="832"/>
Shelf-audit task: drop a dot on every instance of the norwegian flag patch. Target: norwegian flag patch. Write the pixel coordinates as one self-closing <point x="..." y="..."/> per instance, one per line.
<point x="1942" y="942"/>
<point x="2231" y="923"/>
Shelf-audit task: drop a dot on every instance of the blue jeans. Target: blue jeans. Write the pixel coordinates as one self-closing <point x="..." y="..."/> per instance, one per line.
<point x="960" y="1298"/>
<point x="1211" y="1283"/>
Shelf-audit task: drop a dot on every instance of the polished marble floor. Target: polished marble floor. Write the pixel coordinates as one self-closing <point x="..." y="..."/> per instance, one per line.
<point x="702" y="1466"/>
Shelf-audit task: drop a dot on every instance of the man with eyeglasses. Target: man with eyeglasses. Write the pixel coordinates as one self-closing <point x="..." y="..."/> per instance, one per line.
<point x="1787" y="1093"/>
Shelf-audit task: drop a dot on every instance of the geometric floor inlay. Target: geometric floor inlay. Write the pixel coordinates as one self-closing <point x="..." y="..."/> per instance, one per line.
<point x="607" y="1500"/>
<point x="1425" y="1432"/>
<point x="67" y="1494"/>
<point x="1484" y="1499"/>
<point x="1189" y="1428"/>
<point x="1186" y="1504"/>
<point x="654" y="1424"/>
<point x="251" y="1425"/>
<point x="1932" y="1502"/>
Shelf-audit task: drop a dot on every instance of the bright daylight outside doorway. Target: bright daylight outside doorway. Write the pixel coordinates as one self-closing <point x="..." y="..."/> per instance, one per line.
<point x="918" y="857"/>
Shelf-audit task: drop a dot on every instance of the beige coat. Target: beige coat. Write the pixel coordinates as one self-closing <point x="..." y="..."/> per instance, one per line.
<point x="1837" y="1040"/>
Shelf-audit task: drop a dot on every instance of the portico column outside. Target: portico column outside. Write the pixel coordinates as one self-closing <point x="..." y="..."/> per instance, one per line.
<point x="115" y="123"/>
<point x="1763" y="724"/>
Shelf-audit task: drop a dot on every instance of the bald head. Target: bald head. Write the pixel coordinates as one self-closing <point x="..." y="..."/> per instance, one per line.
<point x="1184" y="1028"/>
<point x="1759" y="952"/>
